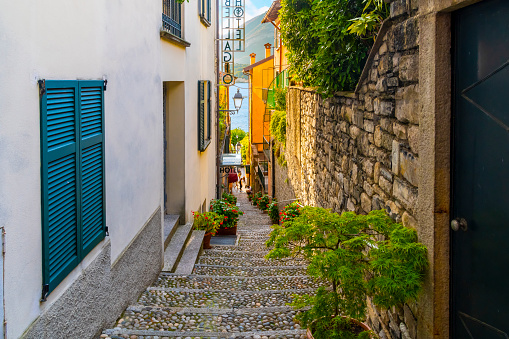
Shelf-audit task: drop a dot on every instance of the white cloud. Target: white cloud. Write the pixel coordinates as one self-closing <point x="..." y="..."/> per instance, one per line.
<point x="252" y="10"/>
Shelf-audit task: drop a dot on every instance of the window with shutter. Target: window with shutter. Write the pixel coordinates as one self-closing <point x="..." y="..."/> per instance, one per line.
<point x="205" y="12"/>
<point x="72" y="173"/>
<point x="204" y="115"/>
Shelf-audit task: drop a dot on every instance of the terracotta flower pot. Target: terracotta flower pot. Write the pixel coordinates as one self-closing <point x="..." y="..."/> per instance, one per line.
<point x="206" y="241"/>
<point x="227" y="231"/>
<point x="360" y="324"/>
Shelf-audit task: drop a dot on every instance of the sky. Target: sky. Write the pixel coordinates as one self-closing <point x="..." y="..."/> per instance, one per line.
<point x="256" y="7"/>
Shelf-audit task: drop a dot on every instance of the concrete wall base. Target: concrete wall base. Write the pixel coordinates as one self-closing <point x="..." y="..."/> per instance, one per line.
<point x="102" y="292"/>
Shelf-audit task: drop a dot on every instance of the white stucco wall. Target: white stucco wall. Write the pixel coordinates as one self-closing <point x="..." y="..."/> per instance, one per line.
<point x="61" y="39"/>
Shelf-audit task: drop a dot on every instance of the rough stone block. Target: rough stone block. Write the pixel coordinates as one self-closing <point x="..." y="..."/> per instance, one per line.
<point x="393" y="82"/>
<point x="398" y="8"/>
<point x="381" y="85"/>
<point x="393" y="211"/>
<point x="414" y="138"/>
<point x="407" y="104"/>
<point x="405" y="193"/>
<point x="410" y="322"/>
<point x="374" y="75"/>
<point x="383" y="49"/>
<point x="404" y="331"/>
<point x="409" y="67"/>
<point x="386" y="174"/>
<point x="365" y="202"/>
<point x="406" y="35"/>
<point x="354" y="131"/>
<point x="400" y="130"/>
<point x="350" y="205"/>
<point x="368" y="103"/>
<point x="395" y="157"/>
<point x="385" y="185"/>
<point x="367" y="167"/>
<point x="367" y="188"/>
<point x="376" y="172"/>
<point x="377" y="136"/>
<point x="386" y="124"/>
<point x="369" y="126"/>
<point x="395" y="61"/>
<point x="409" y="221"/>
<point x="383" y="107"/>
<point x="409" y="167"/>
<point x="385" y="64"/>
<point x="376" y="203"/>
<point x="358" y="118"/>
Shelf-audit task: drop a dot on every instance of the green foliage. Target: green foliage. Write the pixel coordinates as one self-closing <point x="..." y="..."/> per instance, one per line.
<point x="322" y="52"/>
<point x="229" y="212"/>
<point x="359" y="255"/>
<point x="237" y="135"/>
<point x="263" y="202"/>
<point x="256" y="196"/>
<point x="289" y="212"/>
<point x="278" y="126"/>
<point x="229" y="198"/>
<point x="208" y="222"/>
<point x="244" y="149"/>
<point x="273" y="210"/>
<point x="280" y="99"/>
<point x="374" y="12"/>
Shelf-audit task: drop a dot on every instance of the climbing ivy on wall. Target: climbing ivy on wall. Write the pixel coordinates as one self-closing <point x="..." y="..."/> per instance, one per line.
<point x="323" y="53"/>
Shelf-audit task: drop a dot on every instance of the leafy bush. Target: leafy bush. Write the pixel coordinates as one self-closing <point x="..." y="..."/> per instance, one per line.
<point x="278" y="126"/>
<point x="289" y="212"/>
<point x="359" y="256"/>
<point x="273" y="210"/>
<point x="229" y="198"/>
<point x="237" y="134"/>
<point x="280" y="99"/>
<point x="322" y="52"/>
<point x="245" y="146"/>
<point x="374" y="12"/>
<point x="256" y="197"/>
<point x="228" y="211"/>
<point x="263" y="202"/>
<point x="208" y="222"/>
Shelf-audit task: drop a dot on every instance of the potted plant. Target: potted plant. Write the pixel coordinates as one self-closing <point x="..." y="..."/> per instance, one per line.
<point x="230" y="214"/>
<point x="273" y="210"/>
<point x="263" y="202"/>
<point x="359" y="256"/>
<point x="229" y="197"/>
<point x="256" y="198"/>
<point x="208" y="222"/>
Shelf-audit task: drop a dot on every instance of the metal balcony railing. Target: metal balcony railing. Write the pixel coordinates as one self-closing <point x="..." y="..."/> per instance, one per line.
<point x="172" y="17"/>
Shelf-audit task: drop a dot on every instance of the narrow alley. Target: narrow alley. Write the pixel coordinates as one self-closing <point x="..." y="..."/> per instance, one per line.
<point x="233" y="292"/>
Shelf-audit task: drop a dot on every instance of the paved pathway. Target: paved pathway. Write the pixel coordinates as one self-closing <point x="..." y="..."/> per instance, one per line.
<point x="233" y="293"/>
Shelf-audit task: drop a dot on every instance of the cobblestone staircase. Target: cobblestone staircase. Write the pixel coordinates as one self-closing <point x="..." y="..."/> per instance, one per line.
<point x="233" y="292"/>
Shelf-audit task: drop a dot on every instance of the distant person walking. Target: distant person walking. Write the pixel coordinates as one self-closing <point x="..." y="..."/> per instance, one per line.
<point x="232" y="178"/>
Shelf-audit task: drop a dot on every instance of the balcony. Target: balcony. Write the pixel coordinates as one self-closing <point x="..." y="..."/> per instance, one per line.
<point x="171" y="29"/>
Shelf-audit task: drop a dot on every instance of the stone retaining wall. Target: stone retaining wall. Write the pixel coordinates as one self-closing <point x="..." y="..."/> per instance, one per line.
<point x="360" y="151"/>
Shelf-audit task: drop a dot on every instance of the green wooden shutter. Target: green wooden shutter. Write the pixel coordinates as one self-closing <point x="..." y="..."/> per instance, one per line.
<point x="201" y="115"/>
<point x="72" y="174"/>
<point x="92" y="164"/>
<point x="60" y="215"/>
<point x="208" y="110"/>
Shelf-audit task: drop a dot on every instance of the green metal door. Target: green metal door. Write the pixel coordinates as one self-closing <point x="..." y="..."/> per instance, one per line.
<point x="480" y="199"/>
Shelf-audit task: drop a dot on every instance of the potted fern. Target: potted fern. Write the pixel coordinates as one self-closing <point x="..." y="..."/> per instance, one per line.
<point x="359" y="256"/>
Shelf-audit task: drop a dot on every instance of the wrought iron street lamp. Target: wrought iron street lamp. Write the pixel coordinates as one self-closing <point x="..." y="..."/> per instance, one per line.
<point x="237" y="102"/>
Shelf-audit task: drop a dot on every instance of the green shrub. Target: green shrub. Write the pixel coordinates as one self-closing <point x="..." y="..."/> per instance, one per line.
<point x="322" y="52"/>
<point x="263" y="202"/>
<point x="289" y="212"/>
<point x="229" y="197"/>
<point x="277" y="126"/>
<point x="273" y="210"/>
<point x="359" y="256"/>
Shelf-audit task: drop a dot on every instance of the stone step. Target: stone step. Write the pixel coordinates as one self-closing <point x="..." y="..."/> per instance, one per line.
<point x="249" y="261"/>
<point x="176" y="247"/>
<point x="171" y="222"/>
<point x="139" y="334"/>
<point x="201" y="298"/>
<point x="245" y="248"/>
<point x="191" y="253"/>
<point x="238" y="254"/>
<point x="200" y="321"/>
<point x="260" y="271"/>
<point x="236" y="283"/>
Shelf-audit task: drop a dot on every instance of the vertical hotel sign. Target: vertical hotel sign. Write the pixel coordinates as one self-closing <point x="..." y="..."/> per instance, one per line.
<point x="233" y="38"/>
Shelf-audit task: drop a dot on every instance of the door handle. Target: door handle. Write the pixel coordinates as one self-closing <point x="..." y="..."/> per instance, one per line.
<point x="459" y="223"/>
